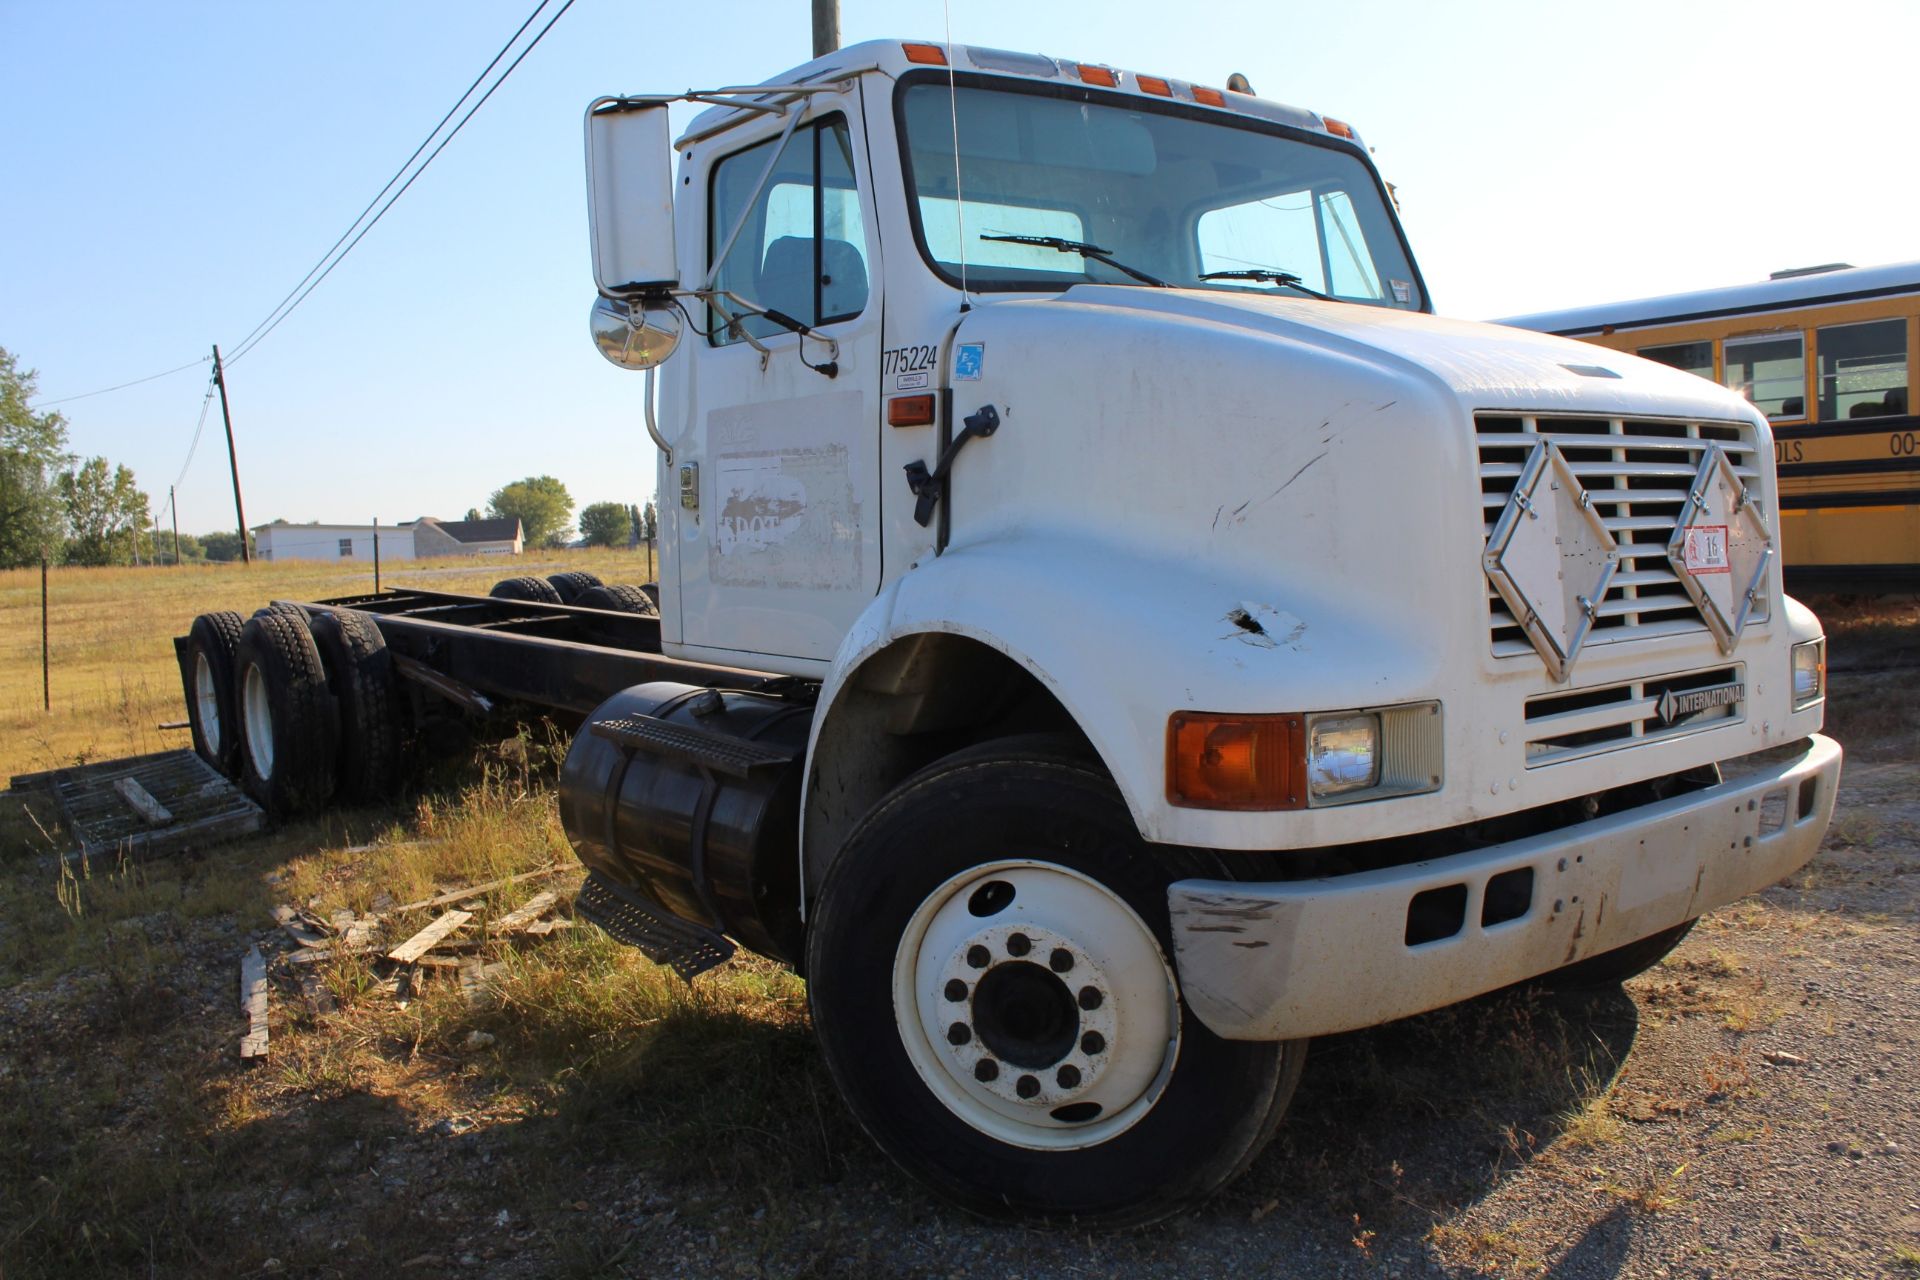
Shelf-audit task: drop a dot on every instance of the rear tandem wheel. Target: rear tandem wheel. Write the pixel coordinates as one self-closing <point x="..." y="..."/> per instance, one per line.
<point x="289" y="723"/>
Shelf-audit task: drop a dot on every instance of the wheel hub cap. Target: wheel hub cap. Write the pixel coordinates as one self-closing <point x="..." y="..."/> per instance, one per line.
<point x="1036" y="1005"/>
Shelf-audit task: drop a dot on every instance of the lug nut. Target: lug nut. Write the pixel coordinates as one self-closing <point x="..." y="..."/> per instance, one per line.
<point x="1068" y="1076"/>
<point x="1018" y="944"/>
<point x="986" y="1071"/>
<point x="1093" y="1042"/>
<point x="978" y="956"/>
<point x="956" y="990"/>
<point x="1090" y="997"/>
<point x="1061" y="960"/>
<point x="1027" y="1087"/>
<point x="959" y="1033"/>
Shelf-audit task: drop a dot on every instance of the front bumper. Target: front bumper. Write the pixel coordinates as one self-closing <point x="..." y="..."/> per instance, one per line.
<point x="1312" y="957"/>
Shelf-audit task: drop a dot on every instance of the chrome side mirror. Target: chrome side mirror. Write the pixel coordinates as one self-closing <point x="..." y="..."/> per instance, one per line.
<point x="630" y="196"/>
<point x="633" y="335"/>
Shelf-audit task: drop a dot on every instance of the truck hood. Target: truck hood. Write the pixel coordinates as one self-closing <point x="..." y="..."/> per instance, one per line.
<point x="1488" y="366"/>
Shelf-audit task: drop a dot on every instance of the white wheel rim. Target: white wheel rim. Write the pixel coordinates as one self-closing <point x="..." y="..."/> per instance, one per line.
<point x="972" y="989"/>
<point x="259" y="721"/>
<point x="206" y="697"/>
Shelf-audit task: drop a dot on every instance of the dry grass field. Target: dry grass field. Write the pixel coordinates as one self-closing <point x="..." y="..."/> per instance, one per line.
<point x="1745" y="1109"/>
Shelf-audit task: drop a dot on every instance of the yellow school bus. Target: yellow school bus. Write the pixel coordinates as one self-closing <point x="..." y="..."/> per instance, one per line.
<point x="1825" y="352"/>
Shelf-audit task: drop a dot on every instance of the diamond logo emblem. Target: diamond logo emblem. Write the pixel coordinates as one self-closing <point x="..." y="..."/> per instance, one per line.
<point x="1551" y="558"/>
<point x="1721" y="548"/>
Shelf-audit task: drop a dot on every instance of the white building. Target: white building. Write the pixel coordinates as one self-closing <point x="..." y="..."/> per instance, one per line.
<point x="282" y="541"/>
<point x="416" y="539"/>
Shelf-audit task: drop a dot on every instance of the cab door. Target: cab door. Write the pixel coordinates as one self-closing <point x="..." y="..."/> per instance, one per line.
<point x="775" y="480"/>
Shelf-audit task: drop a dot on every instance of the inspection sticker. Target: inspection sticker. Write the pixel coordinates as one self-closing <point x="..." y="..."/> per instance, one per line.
<point x="968" y="360"/>
<point x="1705" y="550"/>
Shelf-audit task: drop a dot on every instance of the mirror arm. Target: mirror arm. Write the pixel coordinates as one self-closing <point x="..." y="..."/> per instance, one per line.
<point x="653" y="428"/>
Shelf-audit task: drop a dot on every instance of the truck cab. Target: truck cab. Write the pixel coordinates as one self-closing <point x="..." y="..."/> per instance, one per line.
<point x="1206" y="646"/>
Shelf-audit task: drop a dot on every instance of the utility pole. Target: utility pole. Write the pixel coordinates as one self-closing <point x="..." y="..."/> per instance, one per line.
<point x="174" y="507"/>
<point x="233" y="459"/>
<point x="826" y="27"/>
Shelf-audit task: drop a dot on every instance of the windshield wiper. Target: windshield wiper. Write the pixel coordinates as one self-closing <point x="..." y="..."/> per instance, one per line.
<point x="1267" y="275"/>
<point x="1085" y="250"/>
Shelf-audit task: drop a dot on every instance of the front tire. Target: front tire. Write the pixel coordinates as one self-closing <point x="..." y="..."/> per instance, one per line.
<point x="989" y="967"/>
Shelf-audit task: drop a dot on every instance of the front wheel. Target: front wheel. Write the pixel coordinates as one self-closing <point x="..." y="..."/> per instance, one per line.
<point x="989" y="966"/>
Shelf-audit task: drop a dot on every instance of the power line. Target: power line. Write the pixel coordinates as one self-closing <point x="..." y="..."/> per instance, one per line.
<point x="431" y="134"/>
<point x="311" y="281"/>
<point x="120" y="386"/>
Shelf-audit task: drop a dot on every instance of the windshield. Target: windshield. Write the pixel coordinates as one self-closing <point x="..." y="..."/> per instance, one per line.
<point x="1171" y="196"/>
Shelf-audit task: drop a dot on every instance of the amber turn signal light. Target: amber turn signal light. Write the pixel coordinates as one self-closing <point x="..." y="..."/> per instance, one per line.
<point x="910" y="411"/>
<point x="1154" y="84"/>
<point x="1209" y="97"/>
<point x="1338" y="128"/>
<point x="1098" y="75"/>
<point x="1217" y="761"/>
<point x="931" y="55"/>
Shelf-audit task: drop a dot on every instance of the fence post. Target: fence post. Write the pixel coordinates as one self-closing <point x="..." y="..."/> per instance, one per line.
<point x="46" y="680"/>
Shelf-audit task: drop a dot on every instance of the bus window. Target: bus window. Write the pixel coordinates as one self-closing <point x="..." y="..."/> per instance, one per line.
<point x="1863" y="370"/>
<point x="1688" y="357"/>
<point x="1771" y="371"/>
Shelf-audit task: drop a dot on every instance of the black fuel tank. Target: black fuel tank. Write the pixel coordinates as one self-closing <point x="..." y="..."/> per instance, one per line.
<point x="692" y="797"/>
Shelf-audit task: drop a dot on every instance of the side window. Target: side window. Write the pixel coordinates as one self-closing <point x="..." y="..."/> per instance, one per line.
<point x="1688" y="357"/>
<point x="802" y="250"/>
<point x="1863" y="370"/>
<point x="1771" y="371"/>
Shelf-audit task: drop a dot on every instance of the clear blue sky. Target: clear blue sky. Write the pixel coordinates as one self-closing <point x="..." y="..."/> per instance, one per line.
<point x="172" y="170"/>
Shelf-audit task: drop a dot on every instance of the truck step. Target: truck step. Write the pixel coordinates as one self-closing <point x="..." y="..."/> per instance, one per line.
<point x="639" y="921"/>
<point x="720" y="752"/>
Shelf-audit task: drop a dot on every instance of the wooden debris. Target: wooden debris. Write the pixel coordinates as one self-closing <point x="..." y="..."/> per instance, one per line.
<point x="515" y="921"/>
<point x="174" y="724"/>
<point x="318" y="998"/>
<point x="543" y="928"/>
<point x="151" y="811"/>
<point x="329" y="951"/>
<point x="461" y="895"/>
<point x="472" y="984"/>
<point x="291" y="920"/>
<point x="440" y="962"/>
<point x="253" y="1003"/>
<point x="422" y="942"/>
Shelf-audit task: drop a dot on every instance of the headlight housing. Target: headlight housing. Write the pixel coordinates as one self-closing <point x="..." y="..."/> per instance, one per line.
<point x="1267" y="761"/>
<point x="1343" y="754"/>
<point x="1809" y="673"/>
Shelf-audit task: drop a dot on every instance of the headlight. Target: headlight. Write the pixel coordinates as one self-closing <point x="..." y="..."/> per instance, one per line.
<point x="1343" y="754"/>
<point x="1809" y="673"/>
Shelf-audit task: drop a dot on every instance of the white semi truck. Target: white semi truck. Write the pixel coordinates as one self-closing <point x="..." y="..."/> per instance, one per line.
<point x="1111" y="631"/>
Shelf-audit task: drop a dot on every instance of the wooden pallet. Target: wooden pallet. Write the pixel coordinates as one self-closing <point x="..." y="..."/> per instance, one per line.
<point x="149" y="805"/>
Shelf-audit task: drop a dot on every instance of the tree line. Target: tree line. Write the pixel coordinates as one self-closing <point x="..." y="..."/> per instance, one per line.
<point x="53" y="504"/>
<point x="545" y="511"/>
<point x="90" y="512"/>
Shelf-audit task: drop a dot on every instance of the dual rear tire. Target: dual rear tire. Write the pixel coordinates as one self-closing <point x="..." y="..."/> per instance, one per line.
<point x="296" y="710"/>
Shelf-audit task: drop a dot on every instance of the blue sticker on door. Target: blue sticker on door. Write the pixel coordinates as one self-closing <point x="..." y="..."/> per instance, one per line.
<point x="967" y="361"/>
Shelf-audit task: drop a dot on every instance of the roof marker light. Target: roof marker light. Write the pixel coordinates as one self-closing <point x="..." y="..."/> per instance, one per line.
<point x="931" y="55"/>
<point x="1099" y="75"/>
<point x="1154" y="84"/>
<point x="1209" y="97"/>
<point x="1338" y="128"/>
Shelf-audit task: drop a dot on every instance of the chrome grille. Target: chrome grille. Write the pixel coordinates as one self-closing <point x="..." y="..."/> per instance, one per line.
<point x="1584" y="722"/>
<point x="1637" y="471"/>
